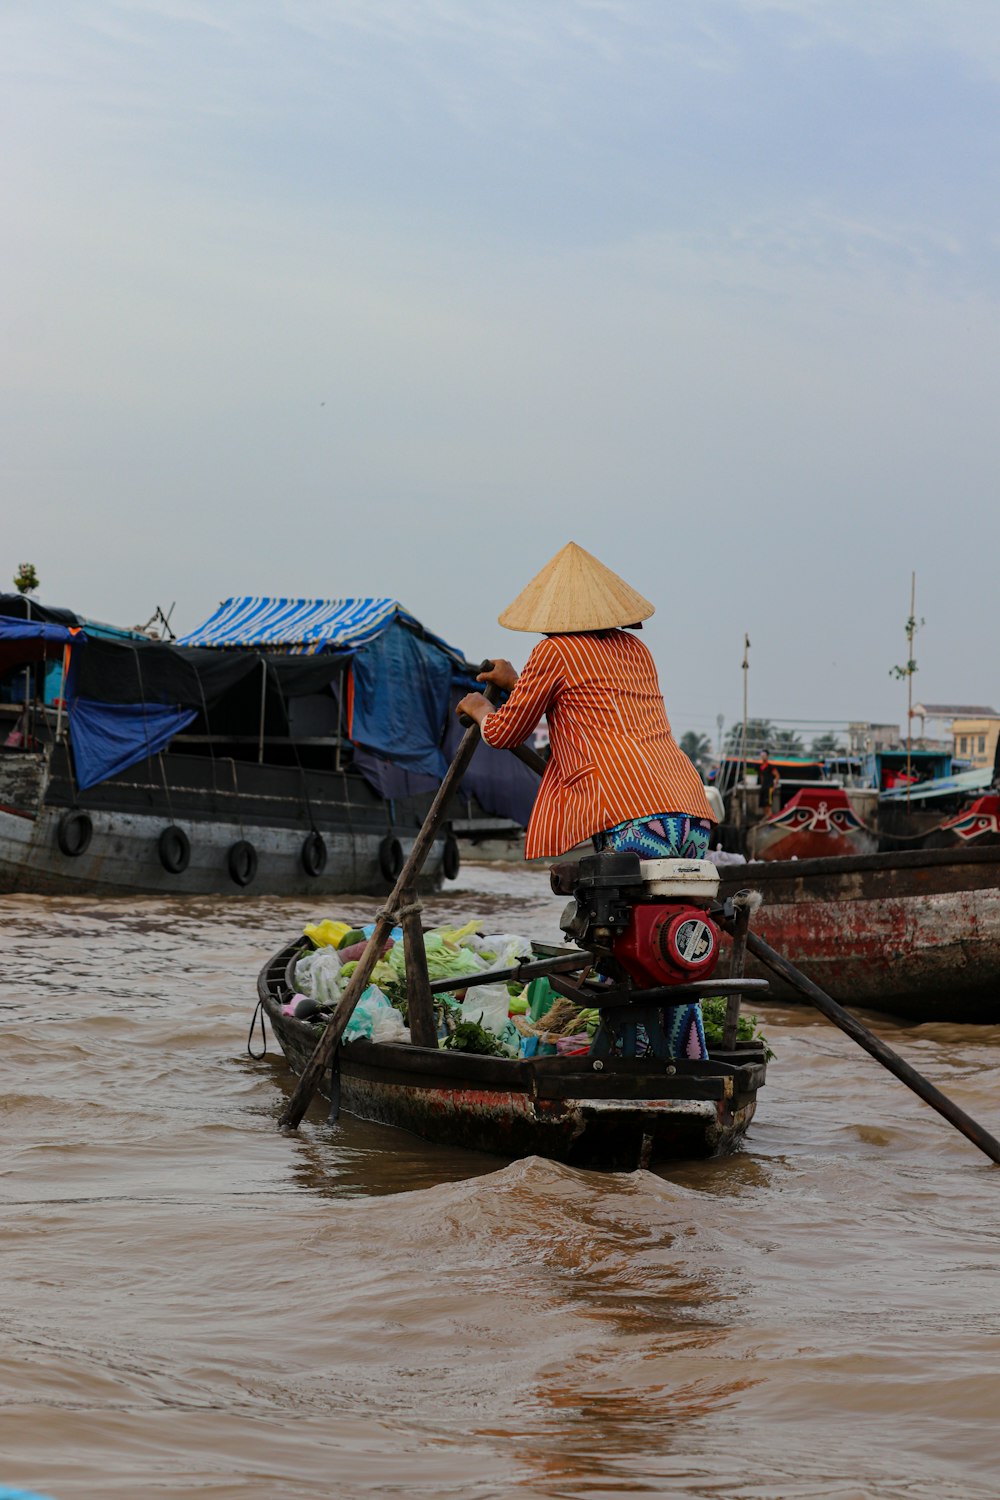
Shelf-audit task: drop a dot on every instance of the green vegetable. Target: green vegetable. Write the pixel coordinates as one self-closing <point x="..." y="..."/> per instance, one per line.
<point x="713" y="1014"/>
<point x="469" y="1036"/>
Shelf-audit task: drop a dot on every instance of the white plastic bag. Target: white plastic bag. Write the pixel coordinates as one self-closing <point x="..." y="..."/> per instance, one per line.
<point x="488" y="1004"/>
<point x="318" y="975"/>
<point x="389" y="1026"/>
<point x="510" y="948"/>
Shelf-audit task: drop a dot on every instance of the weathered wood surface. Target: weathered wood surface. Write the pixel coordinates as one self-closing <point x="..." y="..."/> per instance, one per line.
<point x="914" y="934"/>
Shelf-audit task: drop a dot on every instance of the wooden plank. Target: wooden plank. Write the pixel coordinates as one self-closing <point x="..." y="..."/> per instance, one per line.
<point x="420" y="1002"/>
<point x="736" y="966"/>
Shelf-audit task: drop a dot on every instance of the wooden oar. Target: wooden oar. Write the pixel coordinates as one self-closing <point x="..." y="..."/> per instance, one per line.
<point x="872" y="1044"/>
<point x="391" y="913"/>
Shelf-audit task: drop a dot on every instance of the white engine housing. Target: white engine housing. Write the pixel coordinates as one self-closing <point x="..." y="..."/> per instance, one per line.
<point x="694" y="880"/>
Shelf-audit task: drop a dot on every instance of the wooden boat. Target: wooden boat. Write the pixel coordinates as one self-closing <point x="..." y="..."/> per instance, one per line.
<point x="915" y="933"/>
<point x="816" y="823"/>
<point x="616" y="1112"/>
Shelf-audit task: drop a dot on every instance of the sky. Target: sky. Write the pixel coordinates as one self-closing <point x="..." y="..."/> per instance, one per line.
<point x="328" y="298"/>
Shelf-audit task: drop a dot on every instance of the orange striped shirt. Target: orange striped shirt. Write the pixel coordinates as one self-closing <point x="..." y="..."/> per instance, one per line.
<point x="613" y="755"/>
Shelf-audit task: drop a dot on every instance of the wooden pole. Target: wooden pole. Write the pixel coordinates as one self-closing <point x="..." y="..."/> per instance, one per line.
<point x="874" y="1046"/>
<point x="62" y="692"/>
<point x="737" y="963"/>
<point x="420" y="1002"/>
<point x="319" y="1063"/>
<point x="911" y="626"/>
<point x="263" y="704"/>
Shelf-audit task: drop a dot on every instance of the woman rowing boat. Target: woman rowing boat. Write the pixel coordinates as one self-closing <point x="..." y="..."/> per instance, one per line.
<point x="616" y="774"/>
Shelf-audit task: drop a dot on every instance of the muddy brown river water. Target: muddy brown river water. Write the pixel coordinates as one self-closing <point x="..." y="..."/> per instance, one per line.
<point x="195" y="1304"/>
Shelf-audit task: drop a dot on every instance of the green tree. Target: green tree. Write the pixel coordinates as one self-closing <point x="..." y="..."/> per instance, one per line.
<point x="760" y="736"/>
<point x="26" y="578"/>
<point x="826" y="744"/>
<point x="785" y="742"/>
<point x="697" y="748"/>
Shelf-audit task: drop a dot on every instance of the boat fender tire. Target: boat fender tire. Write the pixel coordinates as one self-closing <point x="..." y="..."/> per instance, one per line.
<point x="242" y="861"/>
<point x="390" y="858"/>
<point x="313" y="854"/>
<point x="74" y="832"/>
<point x="174" y="849"/>
<point x="451" y="859"/>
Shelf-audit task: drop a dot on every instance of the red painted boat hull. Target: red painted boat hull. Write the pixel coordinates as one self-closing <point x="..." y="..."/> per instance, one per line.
<point x="916" y="934"/>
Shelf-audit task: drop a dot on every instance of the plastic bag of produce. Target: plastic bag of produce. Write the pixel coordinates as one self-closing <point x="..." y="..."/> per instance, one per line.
<point x="372" y="1007"/>
<point x="327" y="934"/>
<point x="487" y="1004"/>
<point x="507" y="948"/>
<point x="389" y="1026"/>
<point x="317" y="975"/>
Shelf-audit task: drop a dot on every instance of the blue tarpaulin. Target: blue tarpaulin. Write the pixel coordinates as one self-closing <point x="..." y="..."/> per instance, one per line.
<point x="111" y="737"/>
<point x="25" y="641"/>
<point x="402" y="692"/>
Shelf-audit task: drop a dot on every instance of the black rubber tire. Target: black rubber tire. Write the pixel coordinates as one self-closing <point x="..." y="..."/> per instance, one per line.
<point x="242" y="862"/>
<point x="451" y="859"/>
<point x="74" y="832"/>
<point x="313" y="853"/>
<point x="174" y="848"/>
<point x="390" y="858"/>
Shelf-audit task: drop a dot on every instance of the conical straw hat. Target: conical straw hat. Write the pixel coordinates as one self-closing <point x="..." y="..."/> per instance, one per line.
<point x="575" y="592"/>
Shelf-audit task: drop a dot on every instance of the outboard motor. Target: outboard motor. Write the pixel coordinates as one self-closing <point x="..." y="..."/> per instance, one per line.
<point x="645" y="919"/>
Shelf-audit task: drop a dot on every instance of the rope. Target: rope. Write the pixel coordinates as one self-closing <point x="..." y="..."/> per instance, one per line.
<point x="395" y="917"/>
<point x="263" y="1033"/>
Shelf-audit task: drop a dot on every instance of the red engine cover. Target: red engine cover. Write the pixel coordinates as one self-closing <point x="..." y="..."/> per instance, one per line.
<point x="667" y="943"/>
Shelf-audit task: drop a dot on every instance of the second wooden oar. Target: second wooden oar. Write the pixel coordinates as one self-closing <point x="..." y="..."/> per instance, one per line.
<point x="386" y="919"/>
<point x="874" y="1045"/>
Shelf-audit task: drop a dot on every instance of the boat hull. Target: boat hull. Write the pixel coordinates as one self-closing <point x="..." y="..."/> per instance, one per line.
<point x="915" y="934"/>
<point x="560" y="1108"/>
<point x="273" y="808"/>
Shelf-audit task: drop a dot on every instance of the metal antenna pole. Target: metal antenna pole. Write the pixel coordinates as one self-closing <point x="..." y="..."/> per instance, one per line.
<point x="743" y="750"/>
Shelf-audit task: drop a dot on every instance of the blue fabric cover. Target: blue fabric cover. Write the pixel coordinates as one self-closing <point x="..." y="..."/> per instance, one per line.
<point x="402" y="693"/>
<point x="25" y="641"/>
<point x="110" y="737"/>
<point x="302" y="625"/>
<point x="502" y="785"/>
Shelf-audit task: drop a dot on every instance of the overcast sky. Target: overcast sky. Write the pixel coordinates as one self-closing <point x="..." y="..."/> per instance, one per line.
<point x="339" y="297"/>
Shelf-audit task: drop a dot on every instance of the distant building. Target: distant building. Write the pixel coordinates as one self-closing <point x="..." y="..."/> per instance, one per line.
<point x="865" y="739"/>
<point x="975" y="738"/>
<point x="946" y="713"/>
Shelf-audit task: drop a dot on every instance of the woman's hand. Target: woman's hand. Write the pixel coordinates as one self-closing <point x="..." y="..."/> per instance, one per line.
<point x="474" y="706"/>
<point x="501" y="674"/>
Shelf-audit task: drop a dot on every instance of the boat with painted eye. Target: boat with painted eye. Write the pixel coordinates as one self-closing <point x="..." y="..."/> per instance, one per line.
<point x="584" y="1110"/>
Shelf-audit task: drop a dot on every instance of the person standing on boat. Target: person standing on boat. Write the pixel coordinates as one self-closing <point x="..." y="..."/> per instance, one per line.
<point x="616" y="774"/>
<point x="767" y="782"/>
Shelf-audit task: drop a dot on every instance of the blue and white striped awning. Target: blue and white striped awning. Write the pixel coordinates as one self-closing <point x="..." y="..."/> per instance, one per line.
<point x="301" y="626"/>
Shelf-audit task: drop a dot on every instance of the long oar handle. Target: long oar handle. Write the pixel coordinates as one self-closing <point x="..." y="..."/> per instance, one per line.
<point x="322" y="1057"/>
<point x="874" y="1045"/>
<point x="523" y="753"/>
